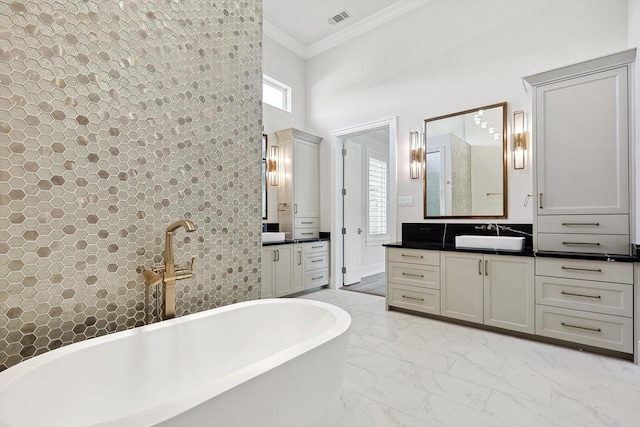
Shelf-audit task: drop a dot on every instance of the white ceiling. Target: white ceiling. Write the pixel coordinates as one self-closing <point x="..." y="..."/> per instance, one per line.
<point x="302" y="25"/>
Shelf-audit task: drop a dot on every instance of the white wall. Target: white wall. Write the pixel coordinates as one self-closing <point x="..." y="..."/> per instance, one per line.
<point x="286" y="67"/>
<point x="449" y="56"/>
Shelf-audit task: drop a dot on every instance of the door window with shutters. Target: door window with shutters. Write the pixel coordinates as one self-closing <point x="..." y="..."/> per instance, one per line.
<point x="377" y="199"/>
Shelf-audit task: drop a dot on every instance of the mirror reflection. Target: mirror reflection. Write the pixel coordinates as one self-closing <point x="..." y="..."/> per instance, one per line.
<point x="465" y="164"/>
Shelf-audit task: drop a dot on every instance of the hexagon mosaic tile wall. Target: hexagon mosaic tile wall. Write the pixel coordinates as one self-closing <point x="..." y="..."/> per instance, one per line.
<point x="116" y="119"/>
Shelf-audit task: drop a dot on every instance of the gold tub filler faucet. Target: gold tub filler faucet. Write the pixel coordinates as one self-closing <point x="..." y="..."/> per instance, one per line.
<point x="167" y="273"/>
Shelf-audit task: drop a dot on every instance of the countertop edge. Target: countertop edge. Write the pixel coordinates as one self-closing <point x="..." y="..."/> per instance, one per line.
<point x="288" y="242"/>
<point x="528" y="252"/>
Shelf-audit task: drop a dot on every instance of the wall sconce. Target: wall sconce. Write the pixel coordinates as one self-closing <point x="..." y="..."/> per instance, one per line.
<point x="272" y="166"/>
<point x="519" y="140"/>
<point x="416" y="154"/>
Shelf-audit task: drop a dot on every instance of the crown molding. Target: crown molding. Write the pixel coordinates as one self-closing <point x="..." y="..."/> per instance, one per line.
<point x="367" y="24"/>
<point x="285" y="40"/>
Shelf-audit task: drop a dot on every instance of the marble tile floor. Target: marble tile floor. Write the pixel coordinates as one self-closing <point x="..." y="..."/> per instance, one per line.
<point x="406" y="370"/>
<point x="374" y="285"/>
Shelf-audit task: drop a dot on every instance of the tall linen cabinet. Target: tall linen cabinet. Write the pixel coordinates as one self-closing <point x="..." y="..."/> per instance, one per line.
<point x="299" y="190"/>
<point x="584" y="217"/>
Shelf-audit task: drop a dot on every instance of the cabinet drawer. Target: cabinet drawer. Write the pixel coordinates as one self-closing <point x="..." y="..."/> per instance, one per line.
<point x="584" y="224"/>
<point x="419" y="299"/>
<point x="598" y="297"/>
<point x="602" y="271"/>
<point x="423" y="276"/>
<point x="306" y="233"/>
<point x="414" y="256"/>
<point x="310" y="248"/>
<point x="599" y="330"/>
<point x="585" y="243"/>
<point x="307" y="222"/>
<point x="316" y="278"/>
<point x="316" y="261"/>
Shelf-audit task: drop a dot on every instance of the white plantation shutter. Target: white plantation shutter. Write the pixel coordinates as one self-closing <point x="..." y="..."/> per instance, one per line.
<point x="378" y="198"/>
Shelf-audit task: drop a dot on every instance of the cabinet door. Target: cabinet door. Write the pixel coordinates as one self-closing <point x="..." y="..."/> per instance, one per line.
<point x="461" y="286"/>
<point x="283" y="269"/>
<point x="268" y="261"/>
<point x="306" y="180"/>
<point x="298" y="268"/>
<point x="582" y="145"/>
<point x="509" y="292"/>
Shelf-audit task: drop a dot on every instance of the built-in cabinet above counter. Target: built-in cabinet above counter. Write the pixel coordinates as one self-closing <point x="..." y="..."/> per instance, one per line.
<point x="299" y="189"/>
<point x="581" y="155"/>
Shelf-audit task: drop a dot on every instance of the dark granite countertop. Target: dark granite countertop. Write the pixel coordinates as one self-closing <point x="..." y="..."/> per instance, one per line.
<point x="288" y="242"/>
<point x="451" y="248"/>
<point x="441" y="237"/>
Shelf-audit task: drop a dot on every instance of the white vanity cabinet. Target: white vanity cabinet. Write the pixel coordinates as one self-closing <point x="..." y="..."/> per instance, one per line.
<point x="299" y="190"/>
<point x="413" y="279"/>
<point x="495" y="290"/>
<point x="312" y="259"/>
<point x="294" y="267"/>
<point x="586" y="302"/>
<point x="277" y="270"/>
<point x="581" y="155"/>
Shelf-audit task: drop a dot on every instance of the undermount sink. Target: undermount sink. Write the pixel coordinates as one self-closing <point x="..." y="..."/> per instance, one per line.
<point x="508" y="243"/>
<point x="272" y="236"/>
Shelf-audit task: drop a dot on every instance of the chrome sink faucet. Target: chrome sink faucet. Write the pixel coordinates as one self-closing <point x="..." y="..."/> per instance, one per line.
<point x="167" y="274"/>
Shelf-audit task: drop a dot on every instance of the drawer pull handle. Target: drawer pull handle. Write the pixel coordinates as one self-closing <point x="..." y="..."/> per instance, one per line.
<point x="316" y="247"/>
<point x="316" y="278"/>
<point x="307" y="222"/>
<point x="415" y="299"/>
<point x="581" y="327"/>
<point x="581" y="243"/>
<point x="413" y="275"/>
<point x="593" y="270"/>
<point x="580" y="224"/>
<point x="580" y="295"/>
<point x="316" y="260"/>
<point x="412" y="256"/>
<point x="306" y="234"/>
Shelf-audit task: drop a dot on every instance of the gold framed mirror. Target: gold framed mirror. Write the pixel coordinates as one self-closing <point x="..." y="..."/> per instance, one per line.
<point x="465" y="164"/>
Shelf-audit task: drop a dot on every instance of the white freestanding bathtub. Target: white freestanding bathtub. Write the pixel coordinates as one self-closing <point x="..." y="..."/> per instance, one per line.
<point x="275" y="362"/>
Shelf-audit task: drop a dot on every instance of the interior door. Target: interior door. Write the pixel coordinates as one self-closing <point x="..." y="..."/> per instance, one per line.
<point x="353" y="212"/>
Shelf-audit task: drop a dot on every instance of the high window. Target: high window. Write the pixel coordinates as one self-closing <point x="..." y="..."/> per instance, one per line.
<point x="276" y="94"/>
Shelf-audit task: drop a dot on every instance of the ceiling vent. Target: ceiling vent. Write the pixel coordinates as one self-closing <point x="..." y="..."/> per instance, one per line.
<point x="339" y="17"/>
